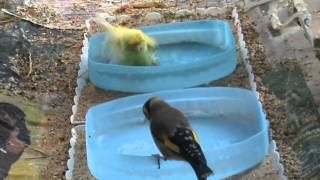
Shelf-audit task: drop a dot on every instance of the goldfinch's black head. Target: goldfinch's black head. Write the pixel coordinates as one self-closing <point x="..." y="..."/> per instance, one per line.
<point x="149" y="105"/>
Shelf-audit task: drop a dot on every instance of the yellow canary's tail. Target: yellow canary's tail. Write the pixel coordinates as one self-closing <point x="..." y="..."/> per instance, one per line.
<point x="149" y="41"/>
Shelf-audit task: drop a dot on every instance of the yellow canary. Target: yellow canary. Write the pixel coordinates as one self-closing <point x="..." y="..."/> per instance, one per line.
<point x="128" y="46"/>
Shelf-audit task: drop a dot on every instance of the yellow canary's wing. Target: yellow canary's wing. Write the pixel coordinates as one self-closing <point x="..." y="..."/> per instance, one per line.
<point x="133" y="38"/>
<point x="138" y="36"/>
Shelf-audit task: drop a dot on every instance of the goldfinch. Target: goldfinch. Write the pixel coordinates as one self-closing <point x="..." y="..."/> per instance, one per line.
<point x="174" y="136"/>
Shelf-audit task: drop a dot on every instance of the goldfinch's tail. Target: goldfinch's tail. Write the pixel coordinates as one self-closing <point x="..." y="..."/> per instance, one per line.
<point x="202" y="171"/>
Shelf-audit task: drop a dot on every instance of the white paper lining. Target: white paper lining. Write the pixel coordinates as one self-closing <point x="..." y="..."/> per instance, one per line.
<point x="246" y="60"/>
<point x="82" y="78"/>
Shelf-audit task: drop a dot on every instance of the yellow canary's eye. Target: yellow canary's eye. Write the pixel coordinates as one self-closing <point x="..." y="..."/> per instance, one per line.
<point x="140" y="48"/>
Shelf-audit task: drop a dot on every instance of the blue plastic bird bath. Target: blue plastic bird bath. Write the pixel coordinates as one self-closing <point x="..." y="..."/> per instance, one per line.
<point x="190" y="54"/>
<point x="230" y="123"/>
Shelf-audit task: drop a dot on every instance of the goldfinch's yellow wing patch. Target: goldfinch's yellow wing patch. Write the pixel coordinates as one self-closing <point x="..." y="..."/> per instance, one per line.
<point x="170" y="145"/>
<point x="195" y="136"/>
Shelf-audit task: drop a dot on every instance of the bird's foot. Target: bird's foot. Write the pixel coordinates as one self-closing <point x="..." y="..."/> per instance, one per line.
<point x="158" y="157"/>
